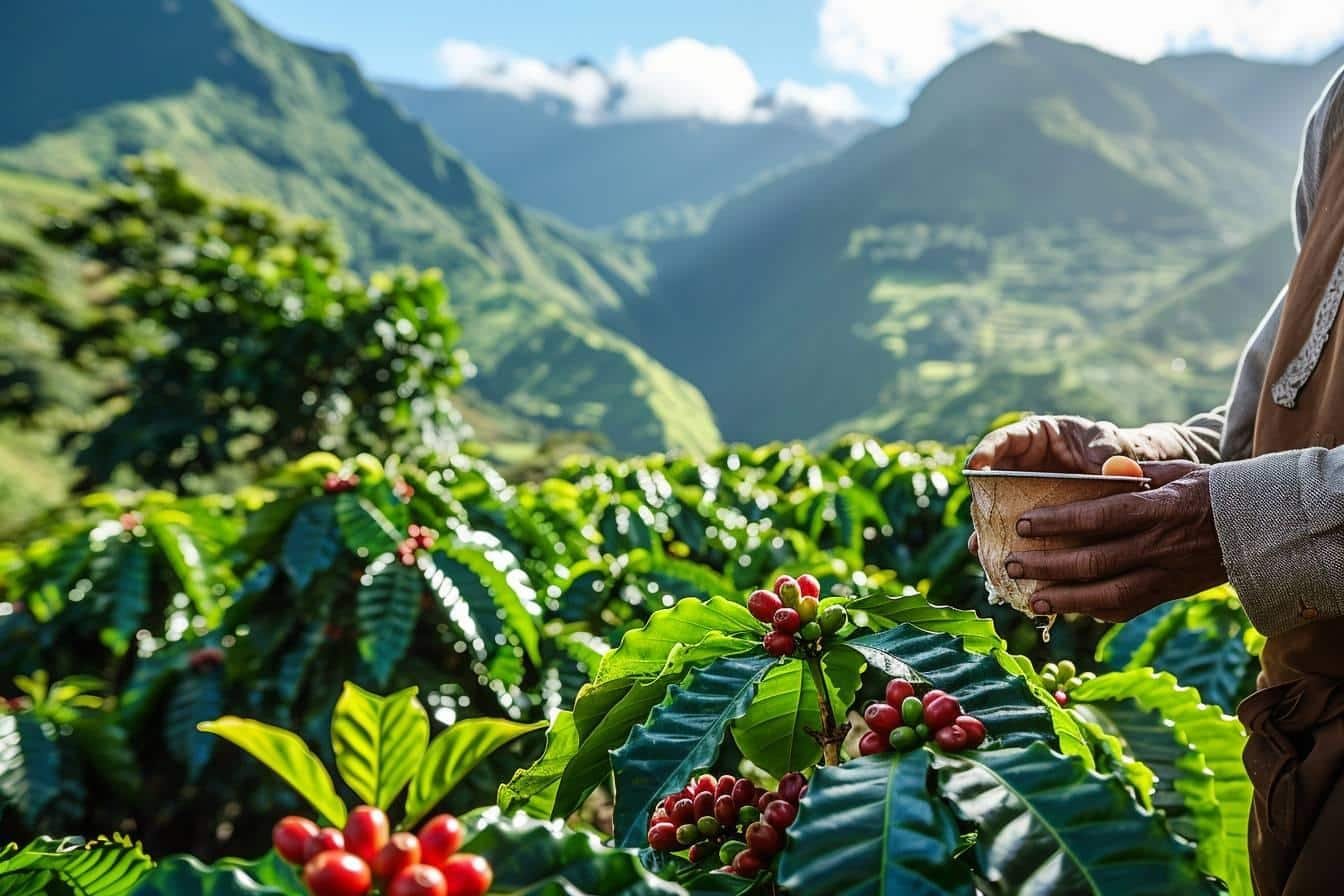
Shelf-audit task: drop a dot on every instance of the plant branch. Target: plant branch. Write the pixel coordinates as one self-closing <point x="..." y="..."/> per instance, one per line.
<point x="831" y="735"/>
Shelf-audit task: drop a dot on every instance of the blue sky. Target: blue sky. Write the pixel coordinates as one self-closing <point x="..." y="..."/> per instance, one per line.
<point x="840" y="55"/>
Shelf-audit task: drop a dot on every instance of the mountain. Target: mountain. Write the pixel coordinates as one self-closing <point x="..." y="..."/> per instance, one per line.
<point x="1269" y="99"/>
<point x="1039" y="195"/>
<point x="596" y="173"/>
<point x="245" y="110"/>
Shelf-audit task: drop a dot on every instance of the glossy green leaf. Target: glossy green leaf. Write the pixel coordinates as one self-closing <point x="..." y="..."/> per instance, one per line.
<point x="692" y="632"/>
<point x="312" y="543"/>
<point x="379" y="742"/>
<point x="452" y="755"/>
<point x="681" y="737"/>
<point x="1048" y="825"/>
<point x="198" y="697"/>
<point x="1212" y="744"/>
<point x="102" y="867"/>
<point x="284" y="753"/>
<point x="123" y="569"/>
<point x="176" y="540"/>
<point x="481" y="566"/>
<point x="534" y="858"/>
<point x="533" y="789"/>
<point x="882" y="611"/>
<point x="776" y="731"/>
<point x="30" y="764"/>
<point x="870" y="827"/>
<point x="188" y="876"/>
<point x="386" y="609"/>
<point x="366" y="532"/>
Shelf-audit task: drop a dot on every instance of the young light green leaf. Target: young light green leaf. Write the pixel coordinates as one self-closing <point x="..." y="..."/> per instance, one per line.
<point x="692" y="632"/>
<point x="454" y="753"/>
<point x="284" y="753"/>
<point x="379" y="741"/>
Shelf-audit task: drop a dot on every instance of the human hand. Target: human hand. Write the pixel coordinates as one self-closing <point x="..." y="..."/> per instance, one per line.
<point x="1146" y="548"/>
<point x="1050" y="445"/>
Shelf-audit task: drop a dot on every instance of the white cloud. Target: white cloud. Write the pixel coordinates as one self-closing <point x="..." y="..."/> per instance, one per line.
<point x="829" y="102"/>
<point x="682" y="78"/>
<point x="902" y="42"/>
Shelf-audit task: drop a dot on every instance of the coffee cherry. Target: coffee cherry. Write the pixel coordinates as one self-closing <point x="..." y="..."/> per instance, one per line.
<point x="788" y="591"/>
<point x="763" y="839"/>
<point x="832" y="619"/>
<point x="766" y="799"/>
<point x="683" y="812"/>
<point x="871" y="743"/>
<point x="780" y="814"/>
<point x="903" y="739"/>
<point x="709" y="826"/>
<point x="747" y="814"/>
<point x="952" y="738"/>
<point x="725" y="811"/>
<point x="809" y="585"/>
<point x="810" y="632"/>
<point x="1067" y="670"/>
<point x="702" y="852"/>
<point x="703" y="804"/>
<point x="912" y="711"/>
<point x="778" y="644"/>
<point x="763" y="605"/>
<point x="467" y="875"/>
<point x="688" y="834"/>
<point x="729" y="851"/>
<point x="401" y="851"/>
<point x="366" y="832"/>
<point x="325" y="840"/>
<point x="290" y="837"/>
<point x="923" y="731"/>
<point x="1061" y="698"/>
<point x="781" y="580"/>
<point x="975" y="731"/>
<point x="706" y="784"/>
<point x="791" y="786"/>
<point x="663" y="836"/>
<point x="941" y="711"/>
<point x="748" y="864"/>
<point x="787" y="621"/>
<point x="744" y="792"/>
<point x="808" y="608"/>
<point x="335" y="872"/>
<point x="882" y="718"/>
<point x="725" y="786"/>
<point x="440" y="838"/>
<point x="418" y="880"/>
<point x="897" y="690"/>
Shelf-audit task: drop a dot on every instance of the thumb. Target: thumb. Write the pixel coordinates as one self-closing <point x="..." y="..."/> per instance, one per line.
<point x="1163" y="472"/>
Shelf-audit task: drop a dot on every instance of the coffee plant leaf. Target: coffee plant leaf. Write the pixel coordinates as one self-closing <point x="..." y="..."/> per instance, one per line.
<point x="312" y="542"/>
<point x="387" y="606"/>
<point x="379" y="742"/>
<point x="871" y="826"/>
<point x="284" y="753"/>
<point x="30" y="764"/>
<point x="692" y="632"/>
<point x="452" y="755"/>
<point x="532" y="790"/>
<point x="883" y="611"/>
<point x="198" y="697"/>
<point x="366" y="531"/>
<point x="188" y="876"/>
<point x="102" y="867"/>
<point x="495" y="585"/>
<point x="681" y="737"/>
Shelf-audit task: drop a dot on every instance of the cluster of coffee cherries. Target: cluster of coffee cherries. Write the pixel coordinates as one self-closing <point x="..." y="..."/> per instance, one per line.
<point x="335" y="483"/>
<point x="729" y="819"/>
<point x="792" y="609"/>
<point x="905" y="721"/>
<point x="1063" y="677"/>
<point x="351" y="862"/>
<point x="417" y="538"/>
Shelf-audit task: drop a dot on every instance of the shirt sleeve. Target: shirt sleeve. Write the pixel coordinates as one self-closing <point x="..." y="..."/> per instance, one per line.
<point x="1280" y="522"/>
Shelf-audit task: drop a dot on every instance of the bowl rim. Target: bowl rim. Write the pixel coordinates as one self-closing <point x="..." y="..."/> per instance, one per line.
<point x="1081" y="477"/>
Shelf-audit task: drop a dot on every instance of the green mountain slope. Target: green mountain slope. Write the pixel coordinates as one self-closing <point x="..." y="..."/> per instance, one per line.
<point x="1039" y="195"/>
<point x="1269" y="99"/>
<point x="244" y="110"/>
<point x="597" y="174"/>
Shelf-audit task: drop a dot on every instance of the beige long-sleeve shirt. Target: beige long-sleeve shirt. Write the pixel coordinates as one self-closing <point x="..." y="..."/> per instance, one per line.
<point x="1280" y="517"/>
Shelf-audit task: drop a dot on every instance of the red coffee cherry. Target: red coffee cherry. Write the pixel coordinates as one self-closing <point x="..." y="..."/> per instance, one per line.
<point x="791" y="786"/>
<point x="325" y="840"/>
<point x="780" y="814"/>
<point x="335" y="872"/>
<point x="882" y="718"/>
<point x="809" y="586"/>
<point x="725" y="810"/>
<point x="703" y="804"/>
<point x="952" y="738"/>
<point x="683" y="812"/>
<point x="871" y="743"/>
<point x="897" y="690"/>
<point x="725" y="785"/>
<point x="440" y="838"/>
<point x="744" y="793"/>
<point x="401" y="851"/>
<point x="778" y="644"/>
<point x="763" y="604"/>
<point x="941" y="711"/>
<point x="663" y="836"/>
<point x="975" y="730"/>
<point x="418" y="880"/>
<point x="291" y="836"/>
<point x="763" y="839"/>
<point x="787" y="621"/>
<point x="366" y="832"/>
<point x="748" y="864"/>
<point x="467" y="875"/>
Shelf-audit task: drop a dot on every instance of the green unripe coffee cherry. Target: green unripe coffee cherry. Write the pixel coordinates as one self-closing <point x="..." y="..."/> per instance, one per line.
<point x="688" y="834"/>
<point x="1072" y="683"/>
<point x="1049" y="681"/>
<point x="923" y="731"/>
<point x="810" y="632"/>
<point x="790" y="594"/>
<point x="903" y="738"/>
<point x="832" y="619"/>
<point x="729" y="851"/>
<point x="709" y="826"/>
<point x="1050" y="669"/>
<point x="1066" y="670"/>
<point x="747" y="814"/>
<point x="912" y="711"/>
<point x="808" y="607"/>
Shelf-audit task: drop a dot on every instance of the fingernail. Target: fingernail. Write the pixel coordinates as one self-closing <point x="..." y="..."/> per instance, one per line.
<point x="1014" y="569"/>
<point x="1041" y="607"/>
<point x="1024" y="527"/>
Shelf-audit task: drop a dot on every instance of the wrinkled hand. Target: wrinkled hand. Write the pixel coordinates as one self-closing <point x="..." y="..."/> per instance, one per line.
<point x="1050" y="445"/>
<point x="1147" y="548"/>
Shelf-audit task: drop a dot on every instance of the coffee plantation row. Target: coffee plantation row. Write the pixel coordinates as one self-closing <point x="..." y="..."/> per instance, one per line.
<point x="566" y="661"/>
